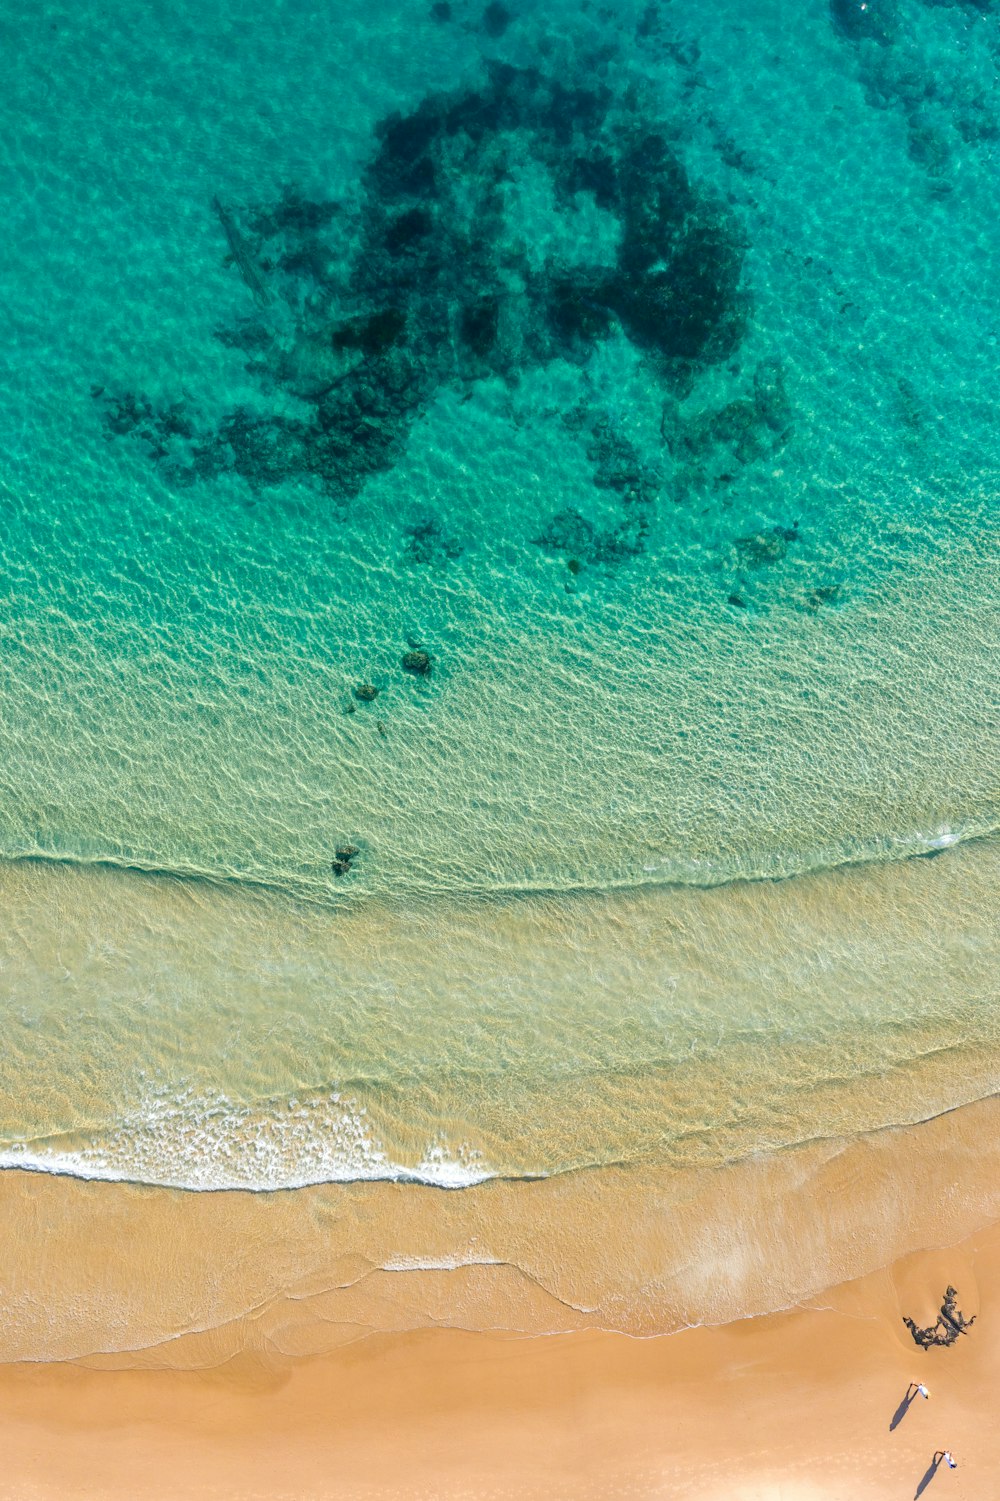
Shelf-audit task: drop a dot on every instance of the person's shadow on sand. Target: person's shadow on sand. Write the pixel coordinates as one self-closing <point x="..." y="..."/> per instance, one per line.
<point x="904" y="1406"/>
<point x="928" y="1475"/>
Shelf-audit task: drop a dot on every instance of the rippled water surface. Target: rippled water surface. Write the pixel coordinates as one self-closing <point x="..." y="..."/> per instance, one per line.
<point x="462" y="466"/>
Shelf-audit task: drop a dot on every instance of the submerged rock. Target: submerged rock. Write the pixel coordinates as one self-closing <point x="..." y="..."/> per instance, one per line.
<point x="766" y="547"/>
<point x="418" y="662"/>
<point x="344" y="857"/>
<point x="366" y="692"/>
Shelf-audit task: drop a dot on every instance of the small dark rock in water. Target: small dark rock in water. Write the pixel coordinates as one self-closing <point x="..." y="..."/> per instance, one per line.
<point x="823" y="594"/>
<point x="366" y="692"/>
<point x="380" y="726"/>
<point x="738" y="601"/>
<point x="441" y="11"/>
<point x="344" y="857"/>
<point x="496" y="19"/>
<point x="417" y="662"/>
<point x="766" y="547"/>
<point x="574" y="565"/>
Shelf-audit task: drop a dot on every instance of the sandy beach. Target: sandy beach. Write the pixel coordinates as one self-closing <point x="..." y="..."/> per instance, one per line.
<point x="203" y="1381"/>
<point x="795" y="1406"/>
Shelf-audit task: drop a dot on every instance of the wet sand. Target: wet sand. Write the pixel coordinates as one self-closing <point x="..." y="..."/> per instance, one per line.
<point x="795" y="1405"/>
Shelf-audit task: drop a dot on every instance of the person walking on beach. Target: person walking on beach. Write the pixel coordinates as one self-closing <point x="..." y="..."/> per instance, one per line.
<point x="921" y="1388"/>
<point x="952" y="1463"/>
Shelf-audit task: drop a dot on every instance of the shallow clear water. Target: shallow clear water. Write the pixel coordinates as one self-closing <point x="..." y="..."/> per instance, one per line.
<point x="645" y="384"/>
<point x="204" y="1038"/>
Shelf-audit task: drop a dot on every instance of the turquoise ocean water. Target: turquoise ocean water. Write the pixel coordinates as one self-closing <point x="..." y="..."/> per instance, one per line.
<point x="457" y="464"/>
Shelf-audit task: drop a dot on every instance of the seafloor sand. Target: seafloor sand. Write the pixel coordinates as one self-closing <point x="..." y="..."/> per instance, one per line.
<point x="200" y="1036"/>
<point x="794" y="1406"/>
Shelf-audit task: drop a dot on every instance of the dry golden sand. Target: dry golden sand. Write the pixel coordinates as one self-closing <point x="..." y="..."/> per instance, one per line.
<point x="792" y="1405"/>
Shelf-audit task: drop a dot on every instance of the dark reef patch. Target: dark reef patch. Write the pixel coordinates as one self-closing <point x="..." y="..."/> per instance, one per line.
<point x="496" y="19"/>
<point x="427" y="541"/>
<point x="866" y="20"/>
<point x="432" y="282"/>
<point x="712" y="446"/>
<point x="941" y="98"/>
<point x="292" y="214"/>
<point x="570" y="533"/>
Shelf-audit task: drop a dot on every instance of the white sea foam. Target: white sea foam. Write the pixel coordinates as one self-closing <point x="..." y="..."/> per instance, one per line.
<point x="445" y="1170"/>
<point x="207" y="1145"/>
<point x="944" y="840"/>
<point x="437" y="1263"/>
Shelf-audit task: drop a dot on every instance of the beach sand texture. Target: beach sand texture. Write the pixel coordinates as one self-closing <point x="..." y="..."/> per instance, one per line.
<point x="796" y="1406"/>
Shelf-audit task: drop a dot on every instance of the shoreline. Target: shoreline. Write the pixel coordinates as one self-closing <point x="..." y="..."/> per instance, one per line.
<point x="406" y="1178"/>
<point x="120" y="1275"/>
<point x="362" y="1338"/>
<point x="794" y="1405"/>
